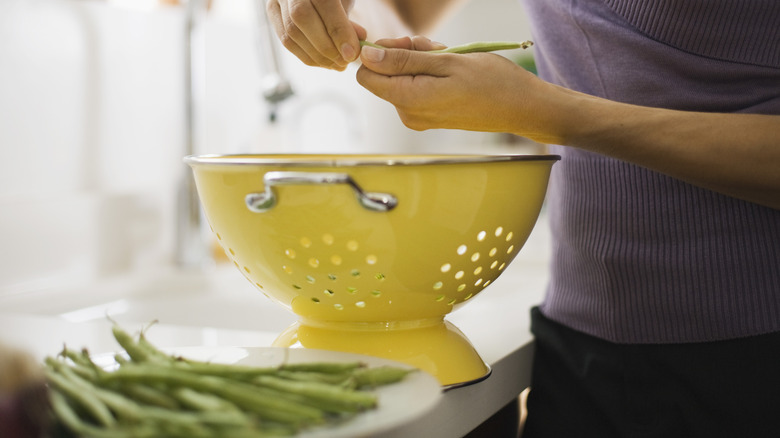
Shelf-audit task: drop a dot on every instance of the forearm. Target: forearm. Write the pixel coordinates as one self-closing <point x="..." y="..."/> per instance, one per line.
<point x="734" y="154"/>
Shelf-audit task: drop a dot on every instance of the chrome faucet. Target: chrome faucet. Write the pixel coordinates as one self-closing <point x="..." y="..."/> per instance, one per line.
<point x="192" y="248"/>
<point x="276" y="87"/>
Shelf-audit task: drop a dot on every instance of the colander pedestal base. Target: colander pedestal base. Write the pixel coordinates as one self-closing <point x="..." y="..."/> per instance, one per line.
<point x="438" y="348"/>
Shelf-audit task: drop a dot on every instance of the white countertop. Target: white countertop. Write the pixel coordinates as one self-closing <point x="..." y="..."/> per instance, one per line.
<point x="220" y="308"/>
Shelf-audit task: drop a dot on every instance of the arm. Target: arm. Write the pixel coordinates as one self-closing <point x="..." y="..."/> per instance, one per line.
<point x="735" y="154"/>
<point x="320" y="32"/>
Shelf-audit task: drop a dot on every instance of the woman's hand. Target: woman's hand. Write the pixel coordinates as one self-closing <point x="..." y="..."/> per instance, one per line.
<point x="318" y="32"/>
<point x="476" y="92"/>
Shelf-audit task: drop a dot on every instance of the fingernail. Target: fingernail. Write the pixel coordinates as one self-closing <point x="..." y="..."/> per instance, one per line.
<point x="372" y="54"/>
<point x="348" y="52"/>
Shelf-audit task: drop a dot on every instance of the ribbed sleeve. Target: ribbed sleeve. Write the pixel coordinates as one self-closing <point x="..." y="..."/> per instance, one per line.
<point x="746" y="31"/>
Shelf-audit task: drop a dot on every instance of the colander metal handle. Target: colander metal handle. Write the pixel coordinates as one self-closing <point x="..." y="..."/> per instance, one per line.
<point x="262" y="202"/>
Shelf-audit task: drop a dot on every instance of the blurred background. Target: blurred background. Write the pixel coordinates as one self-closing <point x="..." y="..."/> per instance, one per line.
<point x="100" y="100"/>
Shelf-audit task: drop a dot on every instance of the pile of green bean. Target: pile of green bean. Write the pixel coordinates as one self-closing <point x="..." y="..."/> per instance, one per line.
<point x="153" y="394"/>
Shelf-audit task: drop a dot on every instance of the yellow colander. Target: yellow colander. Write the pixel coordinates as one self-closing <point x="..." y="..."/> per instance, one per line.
<point x="372" y="251"/>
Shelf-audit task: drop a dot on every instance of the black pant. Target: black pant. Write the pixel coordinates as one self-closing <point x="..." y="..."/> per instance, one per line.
<point x="583" y="386"/>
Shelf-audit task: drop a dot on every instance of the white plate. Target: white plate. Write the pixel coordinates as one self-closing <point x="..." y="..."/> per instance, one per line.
<point x="398" y="403"/>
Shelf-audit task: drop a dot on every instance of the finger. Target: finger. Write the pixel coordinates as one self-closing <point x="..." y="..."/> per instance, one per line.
<point x="339" y="28"/>
<point x="398" y="90"/>
<point x="360" y="31"/>
<point x="274" y="12"/>
<point x="396" y="43"/>
<point x="395" y="62"/>
<point x="303" y="28"/>
<point x="412" y="43"/>
<point x="422" y="43"/>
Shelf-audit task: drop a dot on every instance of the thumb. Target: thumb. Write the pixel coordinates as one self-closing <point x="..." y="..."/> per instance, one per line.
<point x="402" y="62"/>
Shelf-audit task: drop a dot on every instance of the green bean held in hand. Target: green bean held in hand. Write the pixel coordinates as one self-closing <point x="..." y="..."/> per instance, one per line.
<point x="475" y="47"/>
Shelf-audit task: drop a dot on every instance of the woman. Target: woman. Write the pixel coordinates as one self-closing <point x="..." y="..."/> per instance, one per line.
<point x="663" y="313"/>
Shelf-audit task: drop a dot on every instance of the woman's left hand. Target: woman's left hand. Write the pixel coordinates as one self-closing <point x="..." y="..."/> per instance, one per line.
<point x="477" y="91"/>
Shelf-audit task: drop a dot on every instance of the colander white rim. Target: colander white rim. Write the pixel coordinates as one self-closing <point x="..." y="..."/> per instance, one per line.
<point x="352" y="160"/>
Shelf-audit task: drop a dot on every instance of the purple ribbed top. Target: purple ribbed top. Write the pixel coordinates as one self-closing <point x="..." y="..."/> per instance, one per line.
<point x="639" y="257"/>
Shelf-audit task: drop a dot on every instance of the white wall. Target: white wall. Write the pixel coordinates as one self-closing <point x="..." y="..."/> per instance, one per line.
<point x="92" y="125"/>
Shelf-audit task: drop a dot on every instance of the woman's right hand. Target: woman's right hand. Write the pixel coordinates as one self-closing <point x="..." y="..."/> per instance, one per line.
<point x="318" y="32"/>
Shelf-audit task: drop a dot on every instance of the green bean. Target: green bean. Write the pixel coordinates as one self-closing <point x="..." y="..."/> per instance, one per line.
<point x="120" y="359"/>
<point x="202" y="401"/>
<point x="196" y="420"/>
<point x="223" y="370"/>
<point x="127" y="342"/>
<point x="153" y="353"/>
<point x="480" y="46"/>
<point x="379" y="376"/>
<point x="122" y="406"/>
<point x="241" y="394"/>
<point x="323" y="367"/>
<point x="149" y="395"/>
<point x="485" y="46"/>
<point x="338" y="379"/>
<point x="331" y="398"/>
<point x="68" y="416"/>
<point x="88" y="401"/>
